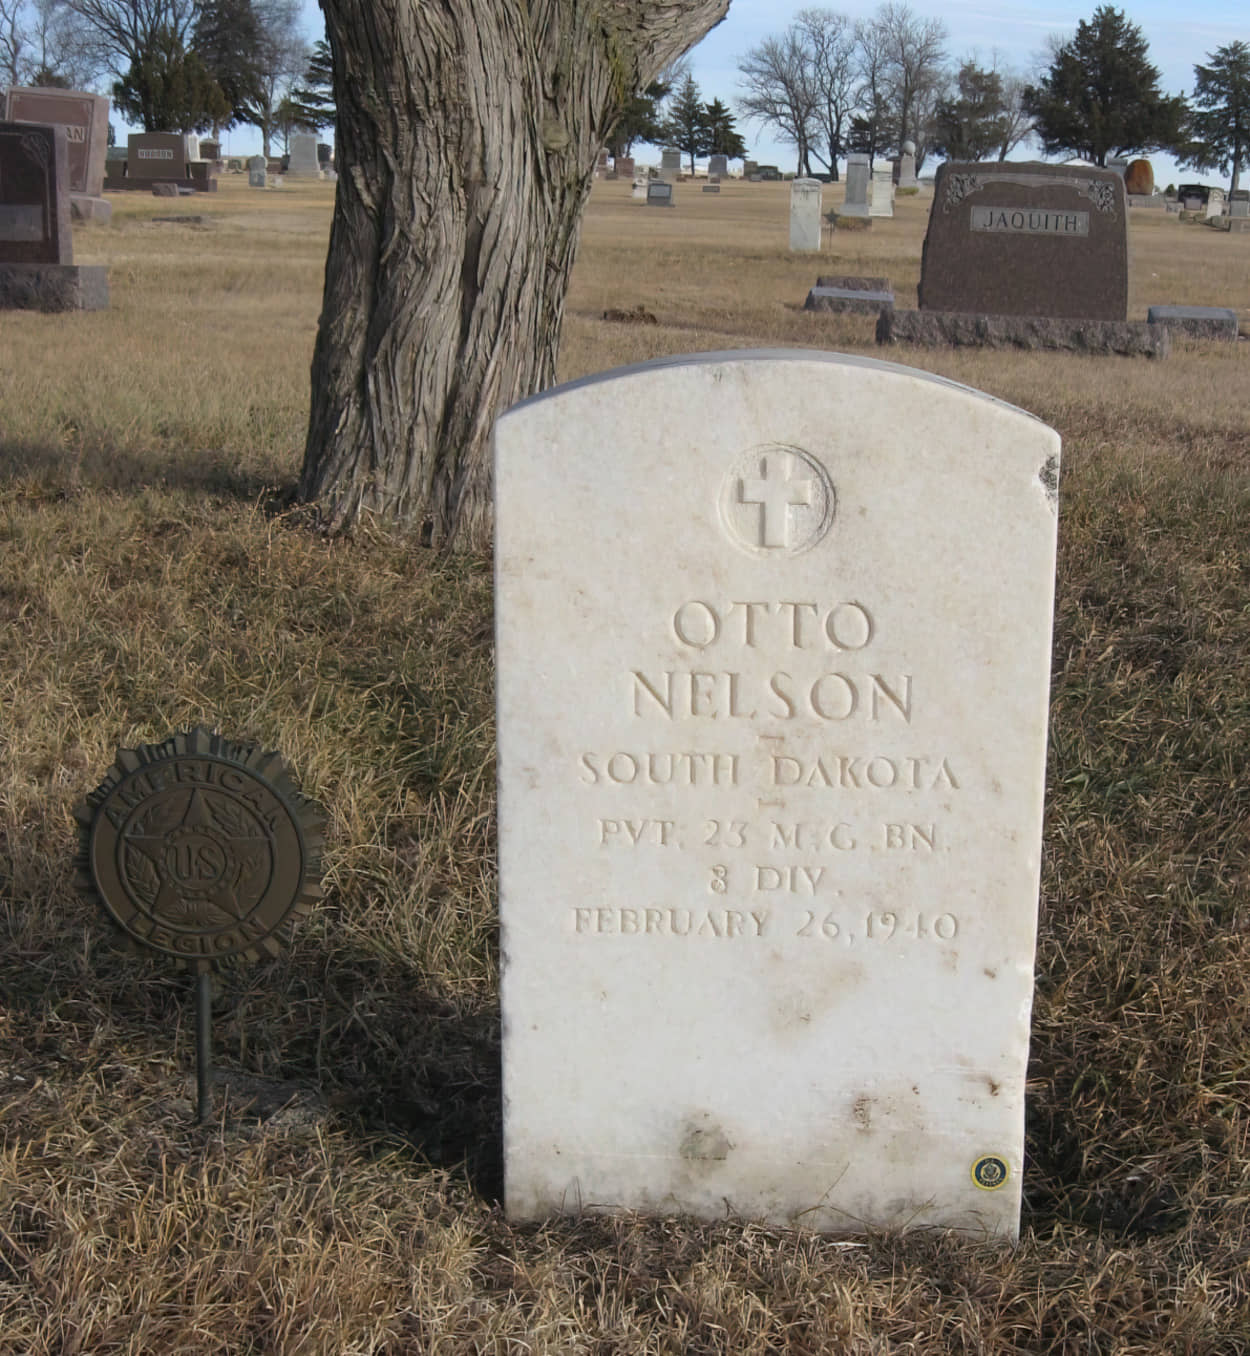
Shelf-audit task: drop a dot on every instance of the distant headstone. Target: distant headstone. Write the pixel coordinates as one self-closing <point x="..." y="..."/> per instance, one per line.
<point x="1139" y="177"/>
<point x="857" y="181"/>
<point x="1192" y="197"/>
<point x="750" y="167"/>
<point x="849" y="300"/>
<point x="325" y="154"/>
<point x="303" y="155"/>
<point x="718" y="165"/>
<point x="257" y="178"/>
<point x="1027" y="239"/>
<point x="624" y="166"/>
<point x="670" y="165"/>
<point x="37" y="269"/>
<point x="711" y="188"/>
<point x="1197" y="322"/>
<point x="770" y="816"/>
<point x="210" y="150"/>
<point x="881" y="203"/>
<point x="805" y="214"/>
<point x="85" y="118"/>
<point x="907" y="166"/>
<point x="639" y="189"/>
<point x="1239" y="203"/>
<point x="659" y="193"/>
<point x="1215" y="203"/>
<point x="157" y="155"/>
<point x="1118" y="164"/>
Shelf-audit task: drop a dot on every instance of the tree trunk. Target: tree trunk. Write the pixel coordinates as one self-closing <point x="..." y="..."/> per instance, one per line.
<point x="467" y="135"/>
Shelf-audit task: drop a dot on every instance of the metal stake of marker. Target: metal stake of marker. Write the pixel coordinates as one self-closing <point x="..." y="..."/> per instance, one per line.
<point x="204" y="1044"/>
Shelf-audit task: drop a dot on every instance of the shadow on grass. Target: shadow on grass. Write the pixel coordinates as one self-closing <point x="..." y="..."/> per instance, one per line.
<point x="45" y="471"/>
<point x="393" y="1059"/>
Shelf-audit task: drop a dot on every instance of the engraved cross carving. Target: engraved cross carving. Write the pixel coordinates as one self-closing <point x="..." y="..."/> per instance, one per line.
<point x="776" y="495"/>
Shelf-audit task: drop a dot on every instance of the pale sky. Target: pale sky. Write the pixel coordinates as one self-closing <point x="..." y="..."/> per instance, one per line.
<point x="1014" y="31"/>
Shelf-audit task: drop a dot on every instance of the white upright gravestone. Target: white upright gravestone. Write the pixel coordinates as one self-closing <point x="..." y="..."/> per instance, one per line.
<point x="805" y="214"/>
<point x="772" y="700"/>
<point x="882" y="201"/>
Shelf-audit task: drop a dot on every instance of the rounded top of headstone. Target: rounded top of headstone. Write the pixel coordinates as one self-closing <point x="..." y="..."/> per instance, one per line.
<point x="200" y="848"/>
<point x="1139" y="177"/>
<point x="909" y="147"/>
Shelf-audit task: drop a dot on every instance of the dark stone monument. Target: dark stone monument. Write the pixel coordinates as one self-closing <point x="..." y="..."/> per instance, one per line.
<point x="161" y="157"/>
<point x="157" y="155"/>
<point x="85" y="118"/>
<point x="1027" y="239"/>
<point x="37" y="271"/>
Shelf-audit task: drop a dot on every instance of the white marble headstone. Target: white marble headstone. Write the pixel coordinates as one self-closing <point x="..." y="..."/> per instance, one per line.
<point x="805" y="214"/>
<point x="882" y="202"/>
<point x="772" y="697"/>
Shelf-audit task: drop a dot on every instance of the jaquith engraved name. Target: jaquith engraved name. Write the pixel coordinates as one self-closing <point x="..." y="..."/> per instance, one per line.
<point x="1028" y="221"/>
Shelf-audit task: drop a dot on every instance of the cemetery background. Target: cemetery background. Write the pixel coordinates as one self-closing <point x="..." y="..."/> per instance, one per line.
<point x="150" y="579"/>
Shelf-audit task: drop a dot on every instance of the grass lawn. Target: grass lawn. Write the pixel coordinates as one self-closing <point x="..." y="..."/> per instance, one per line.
<point x="150" y="580"/>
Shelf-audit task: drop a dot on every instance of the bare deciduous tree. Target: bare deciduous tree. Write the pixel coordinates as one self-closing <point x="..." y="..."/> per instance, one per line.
<point x="870" y="125"/>
<point x="467" y="138"/>
<point x="60" y="46"/>
<point x="1017" y="121"/>
<point x="779" y="90"/>
<point x="830" y="39"/>
<point x="120" y="33"/>
<point x="14" y="41"/>
<point x="914" y="51"/>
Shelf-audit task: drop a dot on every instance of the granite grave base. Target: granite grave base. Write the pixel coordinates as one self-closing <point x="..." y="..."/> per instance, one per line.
<point x="85" y="208"/>
<point x="1196" y="322"/>
<point x="941" y="329"/>
<point x="117" y="183"/>
<point x="53" y="287"/>
<point x="848" y="301"/>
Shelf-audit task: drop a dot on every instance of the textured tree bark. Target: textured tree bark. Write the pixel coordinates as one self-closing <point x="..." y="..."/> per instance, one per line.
<point x="467" y="135"/>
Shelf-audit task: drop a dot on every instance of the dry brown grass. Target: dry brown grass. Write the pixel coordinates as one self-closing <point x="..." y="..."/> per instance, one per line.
<point x="147" y="582"/>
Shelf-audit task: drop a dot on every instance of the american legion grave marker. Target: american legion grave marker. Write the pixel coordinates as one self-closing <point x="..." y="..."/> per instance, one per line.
<point x="1027" y="238"/>
<point x="772" y="700"/>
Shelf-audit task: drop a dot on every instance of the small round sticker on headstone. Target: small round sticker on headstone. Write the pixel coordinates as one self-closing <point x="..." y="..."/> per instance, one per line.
<point x="990" y="1172"/>
<point x="776" y="500"/>
<point x="201" y="848"/>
